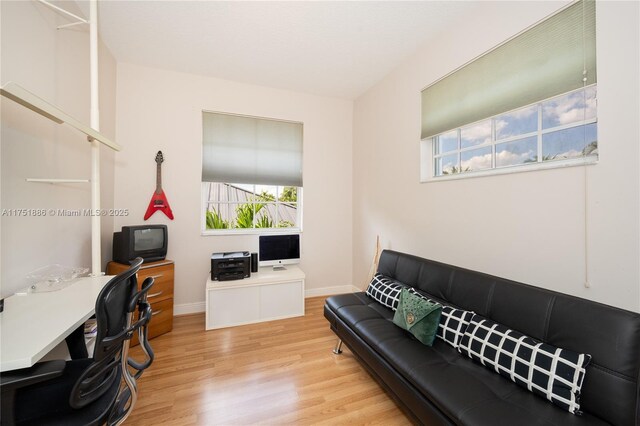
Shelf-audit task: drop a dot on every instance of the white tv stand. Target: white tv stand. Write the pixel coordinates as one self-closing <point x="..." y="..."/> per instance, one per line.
<point x="266" y="295"/>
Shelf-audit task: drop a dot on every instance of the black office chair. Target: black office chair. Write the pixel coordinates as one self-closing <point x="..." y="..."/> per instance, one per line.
<point x="87" y="391"/>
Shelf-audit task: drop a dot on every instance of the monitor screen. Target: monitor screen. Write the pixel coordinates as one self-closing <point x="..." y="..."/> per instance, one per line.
<point x="148" y="239"/>
<point x="279" y="249"/>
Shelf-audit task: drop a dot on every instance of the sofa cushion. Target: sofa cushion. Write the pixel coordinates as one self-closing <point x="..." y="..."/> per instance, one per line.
<point x="552" y="373"/>
<point x="385" y="290"/>
<point x="419" y="316"/>
<point x="339" y="302"/>
<point x="453" y="325"/>
<point x="453" y="322"/>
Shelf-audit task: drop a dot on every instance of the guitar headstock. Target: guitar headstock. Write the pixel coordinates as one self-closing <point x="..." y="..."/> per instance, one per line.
<point x="159" y="157"/>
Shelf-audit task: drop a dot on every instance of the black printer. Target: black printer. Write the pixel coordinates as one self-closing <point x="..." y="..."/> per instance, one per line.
<point x="230" y="266"/>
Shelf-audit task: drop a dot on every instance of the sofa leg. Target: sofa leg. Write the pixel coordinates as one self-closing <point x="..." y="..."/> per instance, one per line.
<point x="338" y="349"/>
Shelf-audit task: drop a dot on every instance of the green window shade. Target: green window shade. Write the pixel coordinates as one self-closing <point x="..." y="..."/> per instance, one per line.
<point x="243" y="149"/>
<point x="543" y="61"/>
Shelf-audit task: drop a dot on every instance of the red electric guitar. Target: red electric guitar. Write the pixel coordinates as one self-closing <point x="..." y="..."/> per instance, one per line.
<point x="159" y="200"/>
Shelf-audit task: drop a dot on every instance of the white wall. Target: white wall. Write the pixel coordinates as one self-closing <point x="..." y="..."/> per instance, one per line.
<point x="162" y="110"/>
<point x="54" y="64"/>
<point x="525" y="226"/>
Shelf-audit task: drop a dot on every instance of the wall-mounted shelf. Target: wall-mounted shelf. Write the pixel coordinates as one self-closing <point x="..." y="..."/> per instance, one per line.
<point x="27" y="99"/>
<point x="58" y="180"/>
<point x="79" y="20"/>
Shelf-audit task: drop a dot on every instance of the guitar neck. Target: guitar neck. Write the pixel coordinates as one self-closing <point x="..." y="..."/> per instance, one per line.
<point x="159" y="178"/>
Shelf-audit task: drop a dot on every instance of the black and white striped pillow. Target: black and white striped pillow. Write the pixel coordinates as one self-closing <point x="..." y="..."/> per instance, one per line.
<point x="552" y="373"/>
<point x="385" y="290"/>
<point x="453" y="322"/>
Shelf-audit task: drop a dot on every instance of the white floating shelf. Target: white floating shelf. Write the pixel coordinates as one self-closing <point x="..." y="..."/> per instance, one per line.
<point x="27" y="99"/>
<point x="68" y="14"/>
<point x="58" y="180"/>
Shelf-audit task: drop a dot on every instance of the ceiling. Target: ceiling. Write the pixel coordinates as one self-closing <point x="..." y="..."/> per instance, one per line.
<point x="337" y="48"/>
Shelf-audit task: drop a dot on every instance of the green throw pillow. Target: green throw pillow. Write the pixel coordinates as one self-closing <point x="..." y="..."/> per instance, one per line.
<point x="418" y="316"/>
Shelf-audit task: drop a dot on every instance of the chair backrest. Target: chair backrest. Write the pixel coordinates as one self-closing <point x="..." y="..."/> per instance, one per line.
<point x="114" y="308"/>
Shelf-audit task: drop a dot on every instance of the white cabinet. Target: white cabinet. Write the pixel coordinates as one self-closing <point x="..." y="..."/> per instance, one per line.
<point x="266" y="295"/>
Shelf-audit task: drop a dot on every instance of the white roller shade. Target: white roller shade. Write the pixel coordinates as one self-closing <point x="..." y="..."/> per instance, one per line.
<point x="546" y="60"/>
<point x="243" y="149"/>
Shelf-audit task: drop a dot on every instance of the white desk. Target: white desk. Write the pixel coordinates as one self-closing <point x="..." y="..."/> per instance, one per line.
<point x="32" y="325"/>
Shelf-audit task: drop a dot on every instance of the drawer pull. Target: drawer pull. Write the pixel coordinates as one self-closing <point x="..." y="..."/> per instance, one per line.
<point x="156" y="276"/>
<point x="154" y="313"/>
<point x="155" y="294"/>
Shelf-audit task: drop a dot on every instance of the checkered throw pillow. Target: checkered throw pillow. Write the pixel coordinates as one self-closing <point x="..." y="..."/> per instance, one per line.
<point x="552" y="373"/>
<point x="385" y="290"/>
<point x="453" y="322"/>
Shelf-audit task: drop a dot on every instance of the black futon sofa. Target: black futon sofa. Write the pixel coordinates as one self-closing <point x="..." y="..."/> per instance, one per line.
<point x="438" y="385"/>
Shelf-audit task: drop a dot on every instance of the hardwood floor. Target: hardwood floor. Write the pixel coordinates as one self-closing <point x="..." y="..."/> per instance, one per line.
<point x="278" y="372"/>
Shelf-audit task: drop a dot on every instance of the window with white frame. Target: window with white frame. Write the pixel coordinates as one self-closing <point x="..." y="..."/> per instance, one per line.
<point x="245" y="206"/>
<point x="251" y="174"/>
<point x="528" y="103"/>
<point x="563" y="128"/>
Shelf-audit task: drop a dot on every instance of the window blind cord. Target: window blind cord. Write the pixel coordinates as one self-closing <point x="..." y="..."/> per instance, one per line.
<point x="587" y="284"/>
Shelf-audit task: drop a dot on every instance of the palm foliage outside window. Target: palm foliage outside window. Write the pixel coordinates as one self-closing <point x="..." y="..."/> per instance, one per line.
<point x="242" y="206"/>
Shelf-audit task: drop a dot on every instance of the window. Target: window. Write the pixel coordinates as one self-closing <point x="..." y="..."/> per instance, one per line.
<point x="563" y="128"/>
<point x="528" y="103"/>
<point x="244" y="206"/>
<point x="251" y="174"/>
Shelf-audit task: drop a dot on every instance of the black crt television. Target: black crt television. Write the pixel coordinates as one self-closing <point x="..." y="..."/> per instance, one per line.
<point x="146" y="241"/>
<point x="278" y="250"/>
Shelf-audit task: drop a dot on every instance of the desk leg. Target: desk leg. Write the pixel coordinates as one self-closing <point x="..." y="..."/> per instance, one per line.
<point x="76" y="344"/>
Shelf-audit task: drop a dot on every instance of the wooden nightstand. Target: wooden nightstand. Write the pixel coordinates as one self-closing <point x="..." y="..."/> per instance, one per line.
<point x="160" y="296"/>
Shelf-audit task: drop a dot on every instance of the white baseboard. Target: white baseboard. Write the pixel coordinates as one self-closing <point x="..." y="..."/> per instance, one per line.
<point x="198" y="307"/>
<point x="328" y="291"/>
<point x="189" y="308"/>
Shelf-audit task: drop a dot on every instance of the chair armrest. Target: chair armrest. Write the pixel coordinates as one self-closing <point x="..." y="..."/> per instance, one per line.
<point x="27" y="376"/>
